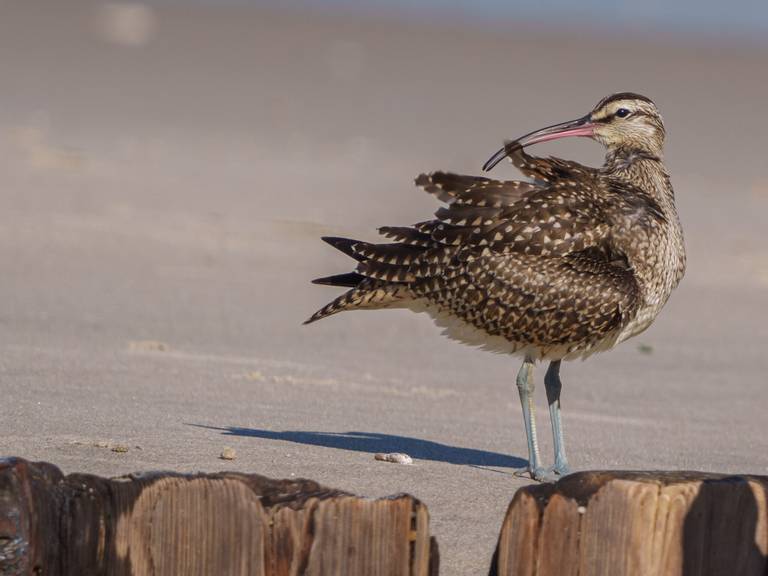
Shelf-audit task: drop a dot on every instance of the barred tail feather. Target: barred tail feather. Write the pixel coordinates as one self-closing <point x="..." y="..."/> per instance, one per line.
<point x="369" y="294"/>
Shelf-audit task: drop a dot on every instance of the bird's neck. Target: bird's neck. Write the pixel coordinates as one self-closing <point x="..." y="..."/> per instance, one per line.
<point x="663" y="245"/>
<point x="643" y="169"/>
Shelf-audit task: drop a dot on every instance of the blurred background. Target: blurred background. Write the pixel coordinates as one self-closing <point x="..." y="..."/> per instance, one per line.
<point x="167" y="169"/>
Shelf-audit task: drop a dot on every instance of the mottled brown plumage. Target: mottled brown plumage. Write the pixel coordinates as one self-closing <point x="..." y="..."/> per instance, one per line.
<point x="570" y="263"/>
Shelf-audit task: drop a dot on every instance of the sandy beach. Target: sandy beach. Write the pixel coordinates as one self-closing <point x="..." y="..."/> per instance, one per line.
<point x="165" y="179"/>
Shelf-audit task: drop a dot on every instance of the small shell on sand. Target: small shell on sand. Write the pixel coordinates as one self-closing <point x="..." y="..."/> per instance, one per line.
<point x="228" y="454"/>
<point x="396" y="457"/>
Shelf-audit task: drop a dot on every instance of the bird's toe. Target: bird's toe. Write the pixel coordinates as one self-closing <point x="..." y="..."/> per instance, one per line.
<point x="560" y="469"/>
<point x="539" y="474"/>
<point x="542" y="474"/>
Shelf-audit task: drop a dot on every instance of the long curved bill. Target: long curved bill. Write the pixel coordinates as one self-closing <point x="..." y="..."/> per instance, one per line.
<point x="580" y="127"/>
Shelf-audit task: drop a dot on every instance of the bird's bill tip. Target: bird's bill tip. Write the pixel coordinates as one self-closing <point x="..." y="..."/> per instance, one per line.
<point x="509" y="147"/>
<point x="495" y="159"/>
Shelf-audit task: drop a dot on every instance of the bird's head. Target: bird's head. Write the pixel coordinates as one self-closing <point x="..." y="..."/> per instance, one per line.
<point x="623" y="120"/>
<point x="630" y="121"/>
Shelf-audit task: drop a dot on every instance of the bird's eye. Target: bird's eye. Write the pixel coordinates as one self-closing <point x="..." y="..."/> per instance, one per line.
<point x="622" y="113"/>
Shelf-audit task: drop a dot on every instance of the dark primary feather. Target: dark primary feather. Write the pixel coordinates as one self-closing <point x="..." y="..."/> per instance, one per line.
<point x="349" y="279"/>
<point x="345" y="245"/>
<point x="405" y="235"/>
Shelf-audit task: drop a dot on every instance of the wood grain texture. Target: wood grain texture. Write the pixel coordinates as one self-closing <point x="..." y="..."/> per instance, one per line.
<point x="637" y="524"/>
<point x="225" y="524"/>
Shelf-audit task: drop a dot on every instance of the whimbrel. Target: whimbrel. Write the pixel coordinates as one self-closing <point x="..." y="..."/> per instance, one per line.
<point x="568" y="264"/>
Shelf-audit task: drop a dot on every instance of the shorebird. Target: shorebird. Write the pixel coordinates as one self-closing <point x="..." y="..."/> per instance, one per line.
<point x="571" y="262"/>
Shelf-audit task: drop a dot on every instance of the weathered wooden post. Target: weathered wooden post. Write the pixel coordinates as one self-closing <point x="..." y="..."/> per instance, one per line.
<point x="202" y="524"/>
<point x="637" y="524"/>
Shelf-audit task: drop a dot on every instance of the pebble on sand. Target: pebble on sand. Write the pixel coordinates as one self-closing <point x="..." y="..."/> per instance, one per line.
<point x="396" y="457"/>
<point x="228" y="454"/>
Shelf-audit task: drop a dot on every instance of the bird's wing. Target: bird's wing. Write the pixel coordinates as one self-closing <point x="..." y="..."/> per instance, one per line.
<point x="511" y="216"/>
<point x="489" y="216"/>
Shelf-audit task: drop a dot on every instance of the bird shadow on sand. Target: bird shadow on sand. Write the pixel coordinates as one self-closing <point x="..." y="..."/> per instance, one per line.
<point x="373" y="442"/>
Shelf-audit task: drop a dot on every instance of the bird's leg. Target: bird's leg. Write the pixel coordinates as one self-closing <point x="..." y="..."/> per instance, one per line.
<point x="525" y="387"/>
<point x="553" y="385"/>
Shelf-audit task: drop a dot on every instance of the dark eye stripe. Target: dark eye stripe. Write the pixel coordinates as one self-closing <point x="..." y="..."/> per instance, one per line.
<point x="633" y="113"/>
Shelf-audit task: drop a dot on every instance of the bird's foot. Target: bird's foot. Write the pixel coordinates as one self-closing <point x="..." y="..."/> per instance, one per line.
<point x="560" y="469"/>
<point x="554" y="473"/>
<point x="540" y="474"/>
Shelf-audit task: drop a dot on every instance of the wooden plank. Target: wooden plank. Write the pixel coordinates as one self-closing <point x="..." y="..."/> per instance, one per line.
<point x="673" y="505"/>
<point x="561" y="521"/>
<point x="516" y="552"/>
<point x="637" y="524"/>
<point x="202" y="524"/>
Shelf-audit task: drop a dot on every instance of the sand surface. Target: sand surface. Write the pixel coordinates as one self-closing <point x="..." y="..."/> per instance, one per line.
<point x="163" y="183"/>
